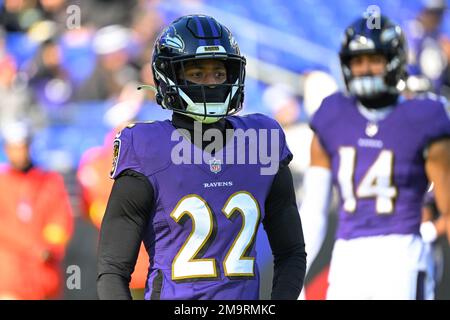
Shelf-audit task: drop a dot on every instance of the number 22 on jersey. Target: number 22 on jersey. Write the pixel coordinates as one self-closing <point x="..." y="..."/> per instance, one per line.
<point x="185" y="265"/>
<point x="377" y="182"/>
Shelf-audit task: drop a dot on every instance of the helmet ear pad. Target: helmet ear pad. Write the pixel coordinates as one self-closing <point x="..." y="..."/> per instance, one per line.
<point x="159" y="99"/>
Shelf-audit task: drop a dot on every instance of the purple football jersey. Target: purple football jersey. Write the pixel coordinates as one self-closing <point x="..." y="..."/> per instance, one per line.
<point x="203" y="226"/>
<point x="378" y="166"/>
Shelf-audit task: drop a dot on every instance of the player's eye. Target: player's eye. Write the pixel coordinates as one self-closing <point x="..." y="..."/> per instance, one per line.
<point x="221" y="74"/>
<point x="377" y="59"/>
<point x="195" y="74"/>
<point x="356" y="61"/>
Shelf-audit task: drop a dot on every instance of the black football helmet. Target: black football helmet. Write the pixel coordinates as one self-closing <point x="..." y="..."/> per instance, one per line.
<point x="385" y="38"/>
<point x="187" y="39"/>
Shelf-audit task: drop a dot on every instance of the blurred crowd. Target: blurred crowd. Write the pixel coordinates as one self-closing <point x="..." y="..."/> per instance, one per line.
<point x="56" y="52"/>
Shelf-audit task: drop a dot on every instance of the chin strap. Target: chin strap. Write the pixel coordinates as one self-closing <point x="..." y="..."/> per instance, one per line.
<point x="148" y="87"/>
<point x="382" y="101"/>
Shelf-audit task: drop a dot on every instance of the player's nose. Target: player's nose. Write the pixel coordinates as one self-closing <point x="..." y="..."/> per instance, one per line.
<point x="211" y="79"/>
<point x="365" y="66"/>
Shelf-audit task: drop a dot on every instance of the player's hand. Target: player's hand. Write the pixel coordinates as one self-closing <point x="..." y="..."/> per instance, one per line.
<point x="428" y="232"/>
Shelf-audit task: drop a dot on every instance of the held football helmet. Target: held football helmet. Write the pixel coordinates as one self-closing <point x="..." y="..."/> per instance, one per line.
<point x="187" y="40"/>
<point x="375" y="37"/>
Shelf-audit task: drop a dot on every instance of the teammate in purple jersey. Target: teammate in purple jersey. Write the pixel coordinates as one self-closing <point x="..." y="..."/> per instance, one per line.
<point x="196" y="208"/>
<point x="380" y="150"/>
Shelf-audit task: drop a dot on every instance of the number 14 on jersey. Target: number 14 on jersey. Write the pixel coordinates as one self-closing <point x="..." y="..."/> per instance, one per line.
<point x="377" y="181"/>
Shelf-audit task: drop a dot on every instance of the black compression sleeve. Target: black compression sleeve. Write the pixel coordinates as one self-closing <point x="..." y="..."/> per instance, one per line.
<point x="126" y="217"/>
<point x="284" y="231"/>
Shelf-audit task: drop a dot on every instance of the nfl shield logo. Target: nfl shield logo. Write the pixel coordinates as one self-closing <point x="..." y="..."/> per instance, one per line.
<point x="215" y="165"/>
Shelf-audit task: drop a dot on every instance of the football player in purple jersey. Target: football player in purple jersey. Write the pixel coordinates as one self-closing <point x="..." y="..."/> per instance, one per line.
<point x="199" y="221"/>
<point x="380" y="150"/>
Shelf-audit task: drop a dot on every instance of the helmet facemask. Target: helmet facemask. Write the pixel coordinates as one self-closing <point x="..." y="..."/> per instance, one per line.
<point x="367" y="85"/>
<point x="207" y="103"/>
<point x="375" y="90"/>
